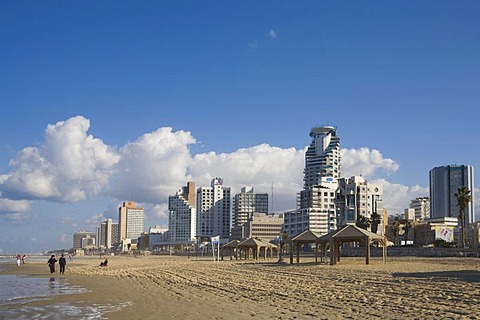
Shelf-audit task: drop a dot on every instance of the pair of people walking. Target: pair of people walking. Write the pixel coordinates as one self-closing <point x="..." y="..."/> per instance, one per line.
<point x="62" y="262"/>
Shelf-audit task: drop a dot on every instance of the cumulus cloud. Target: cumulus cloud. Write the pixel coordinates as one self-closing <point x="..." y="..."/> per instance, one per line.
<point x="396" y="197"/>
<point x="272" y="34"/>
<point x="257" y="166"/>
<point x="369" y="163"/>
<point x="153" y="165"/>
<point x="68" y="167"/>
<point x="14" y="210"/>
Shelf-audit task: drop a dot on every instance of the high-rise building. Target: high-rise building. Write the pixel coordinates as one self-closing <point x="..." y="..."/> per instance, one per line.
<point x="315" y="210"/>
<point x="182" y="219"/>
<point x="83" y="239"/>
<point x="444" y="183"/>
<point x="130" y="221"/>
<point x="358" y="198"/>
<point x="322" y="158"/>
<point x="213" y="211"/>
<point x="421" y="207"/>
<point x="246" y="203"/>
<point x="107" y="234"/>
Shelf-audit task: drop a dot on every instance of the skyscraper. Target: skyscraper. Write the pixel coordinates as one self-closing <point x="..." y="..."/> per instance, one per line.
<point x="316" y="208"/>
<point x="130" y="221"/>
<point x="107" y="234"/>
<point x="213" y="210"/>
<point x="246" y="203"/>
<point x="322" y="159"/>
<point x="444" y="183"/>
<point x="182" y="213"/>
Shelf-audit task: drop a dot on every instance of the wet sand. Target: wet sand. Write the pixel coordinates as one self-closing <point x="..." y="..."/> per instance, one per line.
<point x="165" y="287"/>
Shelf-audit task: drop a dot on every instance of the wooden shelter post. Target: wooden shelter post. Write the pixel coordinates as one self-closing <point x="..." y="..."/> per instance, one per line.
<point x="367" y="251"/>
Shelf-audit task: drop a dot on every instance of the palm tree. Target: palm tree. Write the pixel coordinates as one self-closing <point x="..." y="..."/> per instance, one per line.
<point x="376" y="220"/>
<point x="463" y="199"/>
<point x="396" y="229"/>
<point x="363" y="222"/>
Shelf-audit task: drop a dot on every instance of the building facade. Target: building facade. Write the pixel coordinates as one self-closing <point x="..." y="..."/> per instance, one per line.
<point x="213" y="211"/>
<point x="182" y="215"/>
<point x="82" y="240"/>
<point x="315" y="210"/>
<point x="260" y="226"/>
<point x="444" y="183"/>
<point x="421" y="206"/>
<point x="107" y="234"/>
<point x="246" y="203"/>
<point x="322" y="158"/>
<point x="130" y="221"/>
<point x="358" y="198"/>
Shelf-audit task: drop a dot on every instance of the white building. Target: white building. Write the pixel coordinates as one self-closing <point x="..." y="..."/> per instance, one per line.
<point x="246" y="203"/>
<point x="107" y="234"/>
<point x="356" y="198"/>
<point x="315" y="210"/>
<point x="322" y="158"/>
<point x="444" y="183"/>
<point x="182" y="215"/>
<point x="421" y="206"/>
<point x="130" y="221"/>
<point x="213" y="211"/>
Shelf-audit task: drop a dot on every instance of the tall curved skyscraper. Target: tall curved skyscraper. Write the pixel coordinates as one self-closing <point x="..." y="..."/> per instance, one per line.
<point x="322" y="159"/>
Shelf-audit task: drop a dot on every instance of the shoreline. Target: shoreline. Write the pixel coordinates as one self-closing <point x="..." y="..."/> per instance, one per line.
<point x="192" y="288"/>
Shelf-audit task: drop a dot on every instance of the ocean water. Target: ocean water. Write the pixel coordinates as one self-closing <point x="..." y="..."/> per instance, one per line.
<point x="19" y="297"/>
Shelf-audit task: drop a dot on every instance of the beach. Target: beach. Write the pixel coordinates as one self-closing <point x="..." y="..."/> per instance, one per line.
<point x="171" y="287"/>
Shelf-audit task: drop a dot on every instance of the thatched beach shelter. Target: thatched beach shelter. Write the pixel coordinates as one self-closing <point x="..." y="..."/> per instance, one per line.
<point x="231" y="247"/>
<point x="347" y="234"/>
<point x="256" y="246"/>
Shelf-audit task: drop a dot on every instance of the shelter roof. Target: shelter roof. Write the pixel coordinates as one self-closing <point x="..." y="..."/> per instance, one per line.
<point x="306" y="236"/>
<point x="349" y="232"/>
<point x="231" y="244"/>
<point x="252" y="242"/>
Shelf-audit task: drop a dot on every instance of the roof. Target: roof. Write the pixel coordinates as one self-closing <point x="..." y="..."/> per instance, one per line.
<point x="306" y="236"/>
<point x="231" y="244"/>
<point x="252" y="242"/>
<point x="350" y="232"/>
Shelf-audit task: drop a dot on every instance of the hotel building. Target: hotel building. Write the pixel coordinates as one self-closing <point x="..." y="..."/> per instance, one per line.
<point x="107" y="234"/>
<point x="444" y="183"/>
<point x="182" y="215"/>
<point x="246" y="203"/>
<point x="130" y="221"/>
<point x="213" y="211"/>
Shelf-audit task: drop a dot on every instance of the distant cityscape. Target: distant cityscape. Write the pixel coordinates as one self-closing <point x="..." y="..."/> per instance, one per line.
<point x="327" y="202"/>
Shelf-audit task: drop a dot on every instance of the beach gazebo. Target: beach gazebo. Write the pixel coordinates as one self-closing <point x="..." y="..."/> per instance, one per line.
<point x="231" y="247"/>
<point x="256" y="246"/>
<point x="350" y="233"/>
<point x="306" y="237"/>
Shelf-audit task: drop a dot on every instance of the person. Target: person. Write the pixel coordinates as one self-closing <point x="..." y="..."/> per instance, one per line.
<point x="24" y="258"/>
<point x="104" y="263"/>
<point x="62" y="262"/>
<point x="51" y="264"/>
<point x="18" y="260"/>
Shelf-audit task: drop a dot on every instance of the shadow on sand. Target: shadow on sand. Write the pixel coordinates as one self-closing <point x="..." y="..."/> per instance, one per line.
<point x="459" y="275"/>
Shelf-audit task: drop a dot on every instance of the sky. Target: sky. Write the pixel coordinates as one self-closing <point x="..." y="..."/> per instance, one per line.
<point x="110" y="101"/>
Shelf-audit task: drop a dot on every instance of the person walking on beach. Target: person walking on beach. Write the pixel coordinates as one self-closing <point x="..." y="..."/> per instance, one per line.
<point x="62" y="262"/>
<point x="18" y="260"/>
<point x="51" y="264"/>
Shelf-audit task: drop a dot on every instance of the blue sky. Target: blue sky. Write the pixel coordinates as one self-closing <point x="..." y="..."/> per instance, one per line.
<point x="104" y="102"/>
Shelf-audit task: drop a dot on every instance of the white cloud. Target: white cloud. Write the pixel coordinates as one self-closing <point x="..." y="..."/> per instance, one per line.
<point x="69" y="166"/>
<point x="153" y="166"/>
<point x="14" y="210"/>
<point x="396" y="197"/>
<point x="369" y="163"/>
<point x="272" y="34"/>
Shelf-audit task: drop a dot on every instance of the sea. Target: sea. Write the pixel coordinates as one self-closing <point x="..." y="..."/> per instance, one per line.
<point x="19" y="294"/>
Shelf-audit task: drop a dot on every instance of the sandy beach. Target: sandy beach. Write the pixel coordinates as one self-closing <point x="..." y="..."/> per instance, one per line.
<point x="164" y="287"/>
